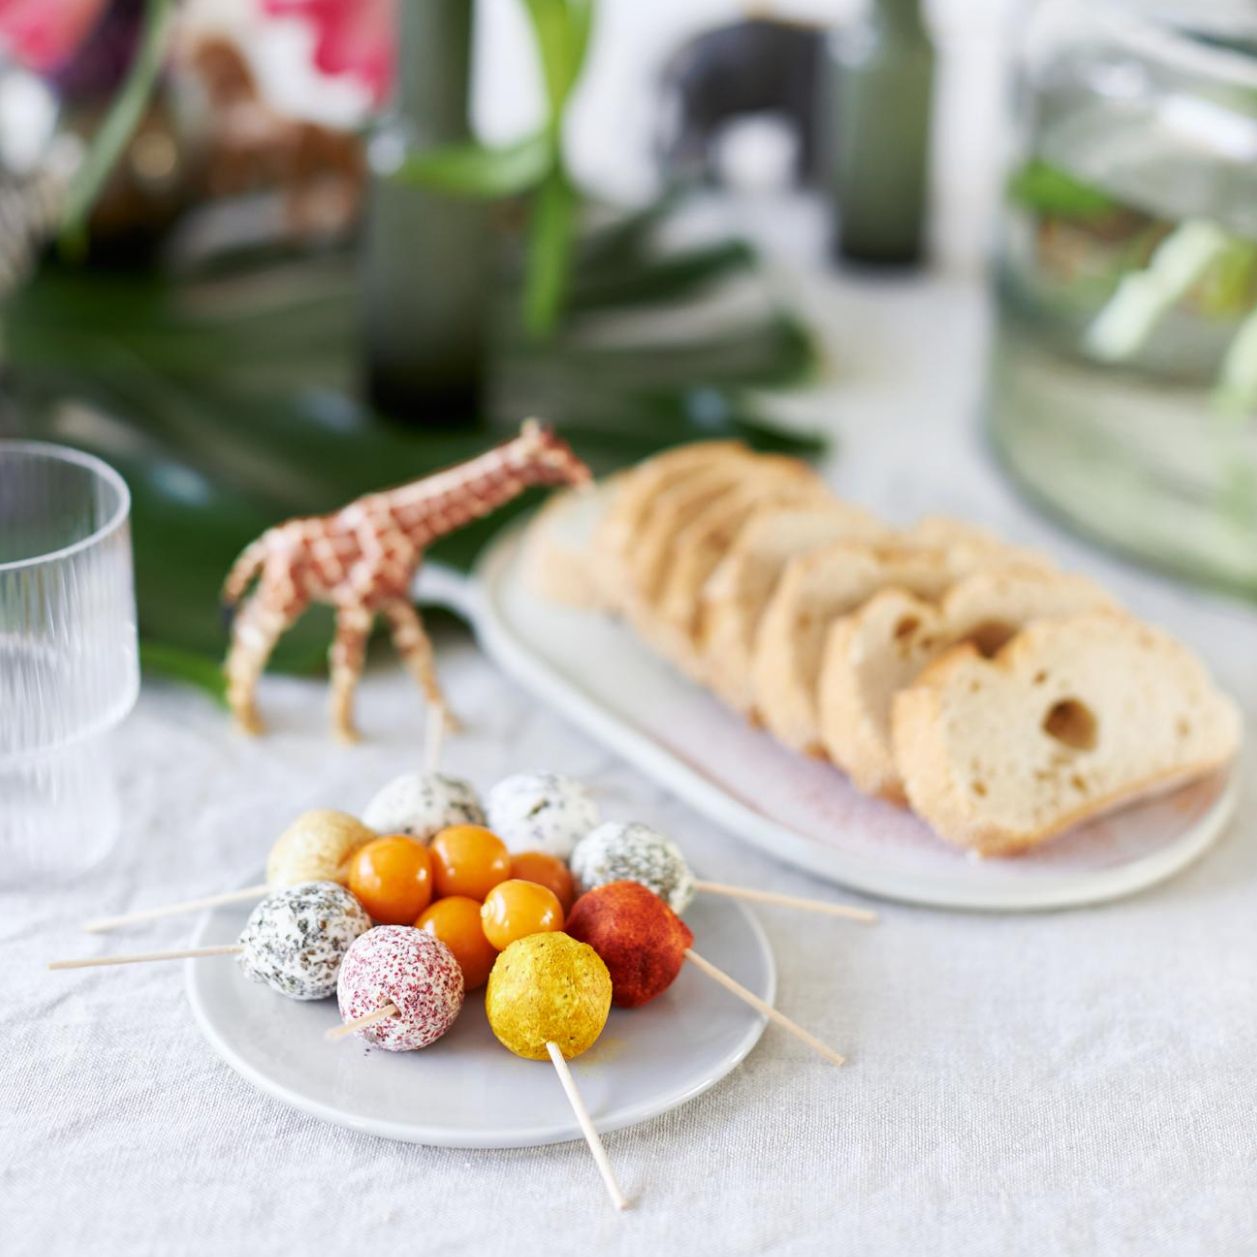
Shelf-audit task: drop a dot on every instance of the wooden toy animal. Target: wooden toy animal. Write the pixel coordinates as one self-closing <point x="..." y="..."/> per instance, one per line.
<point x="362" y="560"/>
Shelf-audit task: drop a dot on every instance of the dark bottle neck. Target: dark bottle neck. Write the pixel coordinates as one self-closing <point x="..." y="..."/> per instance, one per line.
<point x="434" y="53"/>
<point x="900" y="19"/>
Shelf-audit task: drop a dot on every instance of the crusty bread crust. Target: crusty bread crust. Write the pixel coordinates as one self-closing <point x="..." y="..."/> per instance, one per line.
<point x="928" y="720"/>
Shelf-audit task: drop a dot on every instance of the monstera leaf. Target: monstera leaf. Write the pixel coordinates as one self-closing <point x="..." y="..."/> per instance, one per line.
<point x="228" y="401"/>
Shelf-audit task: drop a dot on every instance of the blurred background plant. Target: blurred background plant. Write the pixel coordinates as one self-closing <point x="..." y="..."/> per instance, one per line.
<point x="258" y="254"/>
<point x="202" y="325"/>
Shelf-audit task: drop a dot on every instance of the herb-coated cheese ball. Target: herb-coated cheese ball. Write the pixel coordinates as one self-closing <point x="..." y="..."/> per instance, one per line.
<point x="633" y="852"/>
<point x="420" y="805"/>
<point x="406" y="967"/>
<point x="640" y="939"/>
<point x="315" y="847"/>
<point x="548" y="988"/>
<point x="541" y="812"/>
<point x="296" y="938"/>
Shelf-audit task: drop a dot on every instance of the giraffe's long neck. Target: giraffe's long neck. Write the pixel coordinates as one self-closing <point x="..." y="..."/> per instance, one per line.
<point x="431" y="507"/>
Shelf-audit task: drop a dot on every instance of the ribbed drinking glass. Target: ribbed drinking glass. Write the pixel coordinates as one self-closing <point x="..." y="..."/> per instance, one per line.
<point x="69" y="666"/>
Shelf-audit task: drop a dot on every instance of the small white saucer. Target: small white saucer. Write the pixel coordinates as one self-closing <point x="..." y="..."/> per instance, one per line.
<point x="466" y="1090"/>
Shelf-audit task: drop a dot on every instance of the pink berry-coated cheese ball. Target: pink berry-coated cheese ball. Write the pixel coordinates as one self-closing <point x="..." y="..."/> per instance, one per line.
<point x="406" y="967"/>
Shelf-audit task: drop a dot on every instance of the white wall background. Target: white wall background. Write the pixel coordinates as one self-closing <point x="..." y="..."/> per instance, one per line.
<point x="613" y="118"/>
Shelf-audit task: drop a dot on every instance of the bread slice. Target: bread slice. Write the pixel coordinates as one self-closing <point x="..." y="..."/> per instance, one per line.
<point x="661" y="606"/>
<point x="814" y="590"/>
<point x="701" y="544"/>
<point x="636" y="498"/>
<point x="641" y="483"/>
<point x="654" y="545"/>
<point x="1071" y="719"/>
<point x="972" y="545"/>
<point x="559" y="556"/>
<point x="733" y="601"/>
<point x="874" y="652"/>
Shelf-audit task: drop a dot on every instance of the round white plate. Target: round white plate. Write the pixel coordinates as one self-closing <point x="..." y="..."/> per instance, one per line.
<point x="797" y="809"/>
<point x="466" y="1090"/>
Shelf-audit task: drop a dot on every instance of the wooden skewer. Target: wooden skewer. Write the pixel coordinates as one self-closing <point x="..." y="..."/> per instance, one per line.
<point x="760" y="1006"/>
<point x="866" y="915"/>
<point x="434" y="736"/>
<point x="360" y="1023"/>
<point x="99" y="924"/>
<point x="140" y="958"/>
<point x="586" y="1123"/>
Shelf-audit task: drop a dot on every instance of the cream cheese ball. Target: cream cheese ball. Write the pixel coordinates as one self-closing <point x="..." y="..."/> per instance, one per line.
<point x="315" y="848"/>
<point x="410" y="969"/>
<point x="296" y="939"/>
<point x="420" y="805"/>
<point x="541" y="812"/>
<point x="633" y="852"/>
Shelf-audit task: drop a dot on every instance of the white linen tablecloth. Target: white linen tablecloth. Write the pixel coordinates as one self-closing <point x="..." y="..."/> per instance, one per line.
<point x="1076" y="1083"/>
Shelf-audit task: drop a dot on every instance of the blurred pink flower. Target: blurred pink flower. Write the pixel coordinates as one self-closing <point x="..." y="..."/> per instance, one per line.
<point x="351" y="36"/>
<point x="43" y="34"/>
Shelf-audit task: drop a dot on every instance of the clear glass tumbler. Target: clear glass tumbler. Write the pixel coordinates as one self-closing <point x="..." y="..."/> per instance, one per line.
<point x="69" y="663"/>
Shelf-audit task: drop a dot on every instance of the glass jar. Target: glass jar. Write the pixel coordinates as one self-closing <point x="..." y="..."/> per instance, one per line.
<point x="1123" y="390"/>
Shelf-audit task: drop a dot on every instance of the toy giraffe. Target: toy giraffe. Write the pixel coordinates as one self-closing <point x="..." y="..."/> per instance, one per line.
<point x="362" y="560"/>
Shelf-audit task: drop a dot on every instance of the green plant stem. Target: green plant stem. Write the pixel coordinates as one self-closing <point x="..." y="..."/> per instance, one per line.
<point x="1143" y="298"/>
<point x="549" y="251"/>
<point x="119" y="125"/>
<point x="475" y="170"/>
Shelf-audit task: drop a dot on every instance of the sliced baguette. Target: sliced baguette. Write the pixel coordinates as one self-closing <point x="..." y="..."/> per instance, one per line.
<point x="1071" y="719"/>
<point x="699" y="546"/>
<point x="652" y="548"/>
<point x="878" y="649"/>
<point x="815" y="589"/>
<point x="639" y="485"/>
<point x="559" y="555"/>
<point x="637" y="497"/>
<point x="662" y="606"/>
<point x="733" y="601"/>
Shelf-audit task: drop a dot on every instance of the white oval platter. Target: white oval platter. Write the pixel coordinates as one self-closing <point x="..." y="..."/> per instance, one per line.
<point x="594" y="671"/>
<point x="466" y="1090"/>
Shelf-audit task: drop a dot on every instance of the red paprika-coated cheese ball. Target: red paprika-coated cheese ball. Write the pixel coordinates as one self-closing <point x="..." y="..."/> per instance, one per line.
<point x="640" y="939"/>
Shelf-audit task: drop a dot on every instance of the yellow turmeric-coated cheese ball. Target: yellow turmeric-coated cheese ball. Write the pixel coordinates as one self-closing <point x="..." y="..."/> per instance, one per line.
<point x="548" y="988"/>
<point x="315" y="847"/>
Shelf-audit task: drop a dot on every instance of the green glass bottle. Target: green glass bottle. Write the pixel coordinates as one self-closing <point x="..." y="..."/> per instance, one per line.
<point x="880" y="82"/>
<point x="427" y="257"/>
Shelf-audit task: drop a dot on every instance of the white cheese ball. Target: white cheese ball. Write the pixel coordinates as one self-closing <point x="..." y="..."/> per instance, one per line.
<point x="420" y="805"/>
<point x="541" y="812"/>
<point x="295" y="939"/>
<point x="616" y="852"/>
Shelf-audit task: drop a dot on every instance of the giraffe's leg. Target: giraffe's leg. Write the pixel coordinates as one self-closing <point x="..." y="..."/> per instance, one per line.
<point x="254" y="632"/>
<point x="349" y="648"/>
<point x="416" y="653"/>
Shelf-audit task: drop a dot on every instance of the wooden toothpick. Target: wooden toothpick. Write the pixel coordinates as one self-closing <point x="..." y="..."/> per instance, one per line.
<point x="865" y="915"/>
<point x="434" y="736"/>
<point x="100" y="924"/>
<point x="748" y="997"/>
<point x="360" y="1023"/>
<point x="586" y="1123"/>
<point x="141" y="958"/>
